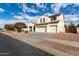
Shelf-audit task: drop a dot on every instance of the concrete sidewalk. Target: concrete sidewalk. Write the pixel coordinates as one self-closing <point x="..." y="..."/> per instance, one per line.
<point x="55" y="46"/>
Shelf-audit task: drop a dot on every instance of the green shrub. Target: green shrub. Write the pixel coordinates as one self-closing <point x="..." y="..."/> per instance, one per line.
<point x="70" y="28"/>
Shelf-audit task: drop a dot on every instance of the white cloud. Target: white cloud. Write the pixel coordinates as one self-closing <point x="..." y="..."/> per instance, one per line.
<point x="19" y="17"/>
<point x="77" y="4"/>
<point x="1" y="10"/>
<point x="26" y="17"/>
<point x="25" y="8"/>
<point x="41" y="5"/>
<point x="57" y="6"/>
<point x="12" y="13"/>
<point x="11" y="21"/>
<point x="31" y="17"/>
<point x="48" y="14"/>
<point x="14" y="21"/>
<point x="2" y="22"/>
<point x="71" y="17"/>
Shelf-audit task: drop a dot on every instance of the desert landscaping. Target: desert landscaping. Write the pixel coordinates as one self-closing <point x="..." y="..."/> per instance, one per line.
<point x="66" y="36"/>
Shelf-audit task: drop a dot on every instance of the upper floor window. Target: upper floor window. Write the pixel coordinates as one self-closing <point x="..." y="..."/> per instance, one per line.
<point x="40" y="20"/>
<point x="43" y="20"/>
<point x="53" y="18"/>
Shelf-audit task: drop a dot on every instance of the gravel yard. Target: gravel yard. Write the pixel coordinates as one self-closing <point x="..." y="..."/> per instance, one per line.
<point x="60" y="47"/>
<point x="66" y="36"/>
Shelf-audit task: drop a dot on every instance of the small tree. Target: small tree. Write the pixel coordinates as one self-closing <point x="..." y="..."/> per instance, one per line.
<point x="66" y="28"/>
<point x="19" y="26"/>
<point x="78" y="25"/>
<point x="71" y="28"/>
<point x="9" y="27"/>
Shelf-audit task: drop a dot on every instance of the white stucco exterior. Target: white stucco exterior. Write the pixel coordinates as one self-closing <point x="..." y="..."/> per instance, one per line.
<point x="30" y="25"/>
<point x="51" y="24"/>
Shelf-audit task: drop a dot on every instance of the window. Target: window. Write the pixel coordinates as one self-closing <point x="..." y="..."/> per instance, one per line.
<point x="43" y="20"/>
<point x="40" y="20"/>
<point x="53" y="18"/>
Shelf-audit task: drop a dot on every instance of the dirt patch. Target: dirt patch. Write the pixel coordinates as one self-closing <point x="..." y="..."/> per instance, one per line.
<point x="68" y="49"/>
<point x="66" y="36"/>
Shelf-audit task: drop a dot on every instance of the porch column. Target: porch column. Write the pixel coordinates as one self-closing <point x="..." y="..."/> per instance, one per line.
<point x="28" y="27"/>
<point x="32" y="28"/>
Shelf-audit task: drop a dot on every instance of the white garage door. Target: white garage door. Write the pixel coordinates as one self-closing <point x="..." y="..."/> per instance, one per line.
<point x="53" y="29"/>
<point x="41" y="29"/>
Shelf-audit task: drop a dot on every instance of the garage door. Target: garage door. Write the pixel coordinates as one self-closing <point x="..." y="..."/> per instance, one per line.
<point x="53" y="29"/>
<point x="40" y="29"/>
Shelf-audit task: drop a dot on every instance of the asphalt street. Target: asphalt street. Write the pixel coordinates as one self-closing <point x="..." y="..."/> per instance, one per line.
<point x="12" y="47"/>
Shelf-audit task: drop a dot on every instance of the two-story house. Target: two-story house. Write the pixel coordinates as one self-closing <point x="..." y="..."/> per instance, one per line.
<point x="51" y="24"/>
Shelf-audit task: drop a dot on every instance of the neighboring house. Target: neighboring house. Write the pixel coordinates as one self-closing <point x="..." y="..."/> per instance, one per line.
<point x="24" y="29"/>
<point x="30" y="27"/>
<point x="51" y="24"/>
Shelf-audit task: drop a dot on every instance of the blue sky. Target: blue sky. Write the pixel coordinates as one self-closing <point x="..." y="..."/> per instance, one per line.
<point x="16" y="12"/>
